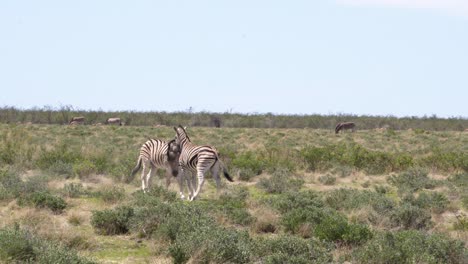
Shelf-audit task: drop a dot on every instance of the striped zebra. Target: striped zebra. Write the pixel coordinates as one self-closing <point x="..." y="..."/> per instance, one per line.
<point x="346" y="125"/>
<point x="199" y="159"/>
<point x="156" y="153"/>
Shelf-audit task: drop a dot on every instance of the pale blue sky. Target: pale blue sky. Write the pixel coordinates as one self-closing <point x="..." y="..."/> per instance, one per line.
<point x="375" y="57"/>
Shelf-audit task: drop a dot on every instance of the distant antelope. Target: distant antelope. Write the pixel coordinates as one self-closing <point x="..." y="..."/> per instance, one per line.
<point x="156" y="153"/>
<point x="114" y="120"/>
<point x="345" y="126"/>
<point x="198" y="159"/>
<point x="77" y="120"/>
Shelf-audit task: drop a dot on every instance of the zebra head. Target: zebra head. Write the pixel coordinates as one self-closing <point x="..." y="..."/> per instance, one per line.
<point x="173" y="153"/>
<point x="181" y="136"/>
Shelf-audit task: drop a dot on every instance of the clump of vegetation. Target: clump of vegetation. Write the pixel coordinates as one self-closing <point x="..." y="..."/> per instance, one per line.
<point x="20" y="246"/>
<point x="292" y="249"/>
<point x="281" y="181"/>
<point x="112" y="222"/>
<point x="412" y="180"/>
<point x="350" y="199"/>
<point x="327" y="179"/>
<point x="44" y="199"/>
<point x="111" y="194"/>
<point x="410" y="247"/>
<point x="248" y="162"/>
<point x="74" y="190"/>
<point x="408" y="216"/>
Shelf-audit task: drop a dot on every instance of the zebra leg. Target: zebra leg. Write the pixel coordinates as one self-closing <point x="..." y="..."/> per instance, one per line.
<point x="180" y="180"/>
<point x="201" y="180"/>
<point x="148" y="177"/>
<point x="215" y="173"/>
<point x="190" y="184"/>
<point x="143" y="178"/>
<point x="168" y="178"/>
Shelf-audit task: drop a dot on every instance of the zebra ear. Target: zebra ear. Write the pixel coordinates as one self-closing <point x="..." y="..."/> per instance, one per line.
<point x="175" y="128"/>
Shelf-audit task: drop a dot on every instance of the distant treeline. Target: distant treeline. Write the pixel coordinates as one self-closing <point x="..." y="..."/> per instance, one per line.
<point x="62" y="115"/>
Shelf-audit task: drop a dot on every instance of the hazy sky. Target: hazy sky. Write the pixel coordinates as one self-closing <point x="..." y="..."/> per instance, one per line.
<point x="377" y="57"/>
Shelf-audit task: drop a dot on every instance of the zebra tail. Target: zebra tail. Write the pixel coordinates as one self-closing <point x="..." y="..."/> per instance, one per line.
<point x="226" y="174"/>
<point x="134" y="171"/>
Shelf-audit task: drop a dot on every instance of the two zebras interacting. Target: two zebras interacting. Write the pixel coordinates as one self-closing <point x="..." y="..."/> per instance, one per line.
<point x="192" y="160"/>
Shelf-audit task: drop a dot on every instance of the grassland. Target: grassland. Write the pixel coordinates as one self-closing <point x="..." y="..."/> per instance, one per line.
<point x="301" y="195"/>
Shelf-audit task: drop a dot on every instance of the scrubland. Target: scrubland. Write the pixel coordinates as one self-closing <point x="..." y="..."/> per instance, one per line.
<point x="299" y="196"/>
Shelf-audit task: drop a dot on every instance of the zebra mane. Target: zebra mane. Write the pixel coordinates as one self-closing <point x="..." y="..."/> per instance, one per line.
<point x="185" y="132"/>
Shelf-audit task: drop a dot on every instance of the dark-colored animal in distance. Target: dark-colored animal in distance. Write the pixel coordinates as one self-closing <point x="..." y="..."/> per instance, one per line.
<point x="114" y="121"/>
<point x="345" y="126"/>
<point x="77" y="120"/>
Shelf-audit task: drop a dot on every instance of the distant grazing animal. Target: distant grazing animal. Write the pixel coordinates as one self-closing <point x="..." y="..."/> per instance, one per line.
<point x="77" y="120"/>
<point x="114" y="121"/>
<point x="344" y="126"/>
<point x="156" y="153"/>
<point x="199" y="159"/>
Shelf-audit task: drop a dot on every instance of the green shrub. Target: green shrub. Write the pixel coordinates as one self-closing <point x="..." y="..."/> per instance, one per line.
<point x="350" y="199"/>
<point x="248" y="161"/>
<point x="408" y="216"/>
<point x="74" y="190"/>
<point x="434" y="201"/>
<point x="111" y="194"/>
<point x="112" y="222"/>
<point x="84" y="168"/>
<point x="327" y="179"/>
<point x="19" y="246"/>
<point x="461" y="223"/>
<point x="291" y="249"/>
<point x="280" y="182"/>
<point x="295" y="200"/>
<point x="15" y="187"/>
<point x="412" y="180"/>
<point x="233" y="206"/>
<point x="410" y="247"/>
<point x="59" y="160"/>
<point x="44" y="199"/>
<point x="15" y="246"/>
<point x="335" y="227"/>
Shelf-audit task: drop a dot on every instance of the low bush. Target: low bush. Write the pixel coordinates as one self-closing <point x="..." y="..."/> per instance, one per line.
<point x="19" y="246"/>
<point x="410" y="247"/>
<point x="84" y="168"/>
<point x="44" y="199"/>
<point x="350" y="199"/>
<point x="412" y="180"/>
<point x="111" y="194"/>
<point x="434" y="201"/>
<point x="291" y="249"/>
<point x="112" y="222"/>
<point x="327" y="179"/>
<point x="248" y="161"/>
<point x="281" y="181"/>
<point x="74" y="190"/>
<point x="408" y="216"/>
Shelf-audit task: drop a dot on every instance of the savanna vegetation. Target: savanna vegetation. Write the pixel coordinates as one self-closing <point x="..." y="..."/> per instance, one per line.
<point x="63" y="115"/>
<point x="300" y="195"/>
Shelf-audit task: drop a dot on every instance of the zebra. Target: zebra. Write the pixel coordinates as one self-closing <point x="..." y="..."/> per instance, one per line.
<point x="77" y="120"/>
<point x="346" y="125"/>
<point x="199" y="159"/>
<point x="156" y="153"/>
<point x="114" y="120"/>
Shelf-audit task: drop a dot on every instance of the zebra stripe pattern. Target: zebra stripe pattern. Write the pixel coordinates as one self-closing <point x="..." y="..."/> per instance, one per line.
<point x="199" y="159"/>
<point x="155" y="154"/>
<point x="346" y="125"/>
